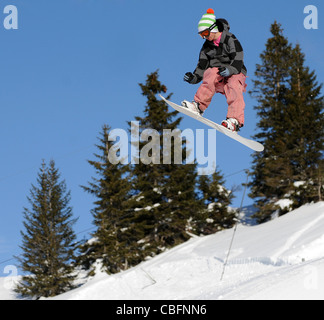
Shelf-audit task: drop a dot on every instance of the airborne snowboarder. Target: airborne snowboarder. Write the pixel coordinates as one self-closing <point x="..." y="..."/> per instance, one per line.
<point x="222" y="70"/>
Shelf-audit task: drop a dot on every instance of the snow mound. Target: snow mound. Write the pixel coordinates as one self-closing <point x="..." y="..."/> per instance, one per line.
<point x="281" y="259"/>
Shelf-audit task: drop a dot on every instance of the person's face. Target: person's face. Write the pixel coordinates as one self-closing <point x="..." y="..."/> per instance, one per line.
<point x="212" y="36"/>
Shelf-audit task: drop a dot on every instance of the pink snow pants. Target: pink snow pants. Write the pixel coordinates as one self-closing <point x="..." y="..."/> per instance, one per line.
<point x="232" y="87"/>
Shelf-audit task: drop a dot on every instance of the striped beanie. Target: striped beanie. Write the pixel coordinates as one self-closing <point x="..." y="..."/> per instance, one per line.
<point x="207" y="20"/>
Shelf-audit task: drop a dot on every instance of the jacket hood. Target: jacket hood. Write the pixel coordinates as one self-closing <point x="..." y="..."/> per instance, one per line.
<point x="222" y="25"/>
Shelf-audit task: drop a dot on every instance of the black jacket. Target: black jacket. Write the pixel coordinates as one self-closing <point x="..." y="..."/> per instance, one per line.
<point x="229" y="53"/>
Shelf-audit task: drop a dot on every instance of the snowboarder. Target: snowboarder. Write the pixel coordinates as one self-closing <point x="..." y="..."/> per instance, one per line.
<point x="222" y="70"/>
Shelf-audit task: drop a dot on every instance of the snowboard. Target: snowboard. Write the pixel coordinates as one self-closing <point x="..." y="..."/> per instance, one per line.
<point x="254" y="145"/>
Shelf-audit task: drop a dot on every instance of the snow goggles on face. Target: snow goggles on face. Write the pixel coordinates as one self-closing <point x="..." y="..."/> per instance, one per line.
<point x="206" y="33"/>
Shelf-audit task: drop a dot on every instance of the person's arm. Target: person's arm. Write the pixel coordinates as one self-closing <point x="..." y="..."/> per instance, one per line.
<point x="202" y="66"/>
<point x="236" y="55"/>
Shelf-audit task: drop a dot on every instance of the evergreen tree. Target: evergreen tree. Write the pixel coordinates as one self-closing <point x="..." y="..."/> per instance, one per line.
<point x="48" y="242"/>
<point x="111" y="188"/>
<point x="305" y="107"/>
<point x="217" y="199"/>
<point x="271" y="175"/>
<point x="164" y="198"/>
<point x="291" y="127"/>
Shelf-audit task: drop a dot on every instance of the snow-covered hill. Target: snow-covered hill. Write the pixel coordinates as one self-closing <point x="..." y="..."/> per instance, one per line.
<point x="281" y="259"/>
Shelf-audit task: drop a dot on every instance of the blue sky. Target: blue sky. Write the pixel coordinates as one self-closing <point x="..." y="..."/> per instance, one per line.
<point x="74" y="65"/>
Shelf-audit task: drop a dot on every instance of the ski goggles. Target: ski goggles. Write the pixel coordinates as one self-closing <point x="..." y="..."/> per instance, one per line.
<point x="206" y="33"/>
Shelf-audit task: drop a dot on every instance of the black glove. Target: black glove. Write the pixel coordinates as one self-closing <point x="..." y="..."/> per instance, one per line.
<point x="190" y="77"/>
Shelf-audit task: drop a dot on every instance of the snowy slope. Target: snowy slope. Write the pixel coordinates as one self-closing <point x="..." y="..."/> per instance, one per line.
<point x="6" y="284"/>
<point x="281" y="259"/>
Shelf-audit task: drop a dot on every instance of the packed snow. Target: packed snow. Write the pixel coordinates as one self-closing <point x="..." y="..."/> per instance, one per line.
<point x="280" y="259"/>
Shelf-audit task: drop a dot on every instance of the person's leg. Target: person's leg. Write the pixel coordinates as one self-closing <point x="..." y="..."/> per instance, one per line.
<point x="234" y="88"/>
<point x="212" y="83"/>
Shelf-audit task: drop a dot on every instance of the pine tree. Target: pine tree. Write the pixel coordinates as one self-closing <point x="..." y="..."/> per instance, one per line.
<point x="111" y="188"/>
<point x="48" y="242"/>
<point x="164" y="197"/>
<point x="217" y="199"/>
<point x="287" y="123"/>
<point x="271" y="175"/>
<point x="305" y="109"/>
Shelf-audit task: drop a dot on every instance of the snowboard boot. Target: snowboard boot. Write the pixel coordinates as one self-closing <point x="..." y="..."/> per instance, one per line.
<point x="231" y="124"/>
<point x="192" y="106"/>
